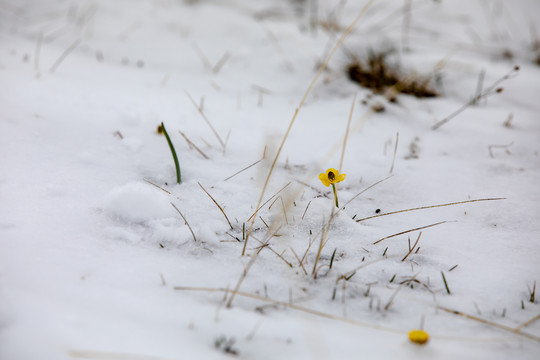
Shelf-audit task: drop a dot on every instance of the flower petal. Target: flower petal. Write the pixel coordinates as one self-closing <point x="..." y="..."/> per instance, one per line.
<point x="340" y="177"/>
<point x="324" y="178"/>
<point x="332" y="170"/>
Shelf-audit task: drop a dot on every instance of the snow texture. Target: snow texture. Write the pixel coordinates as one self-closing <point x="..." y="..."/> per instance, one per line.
<point x="96" y="263"/>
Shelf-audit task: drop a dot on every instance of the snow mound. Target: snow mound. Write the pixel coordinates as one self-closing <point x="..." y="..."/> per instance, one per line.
<point x="137" y="202"/>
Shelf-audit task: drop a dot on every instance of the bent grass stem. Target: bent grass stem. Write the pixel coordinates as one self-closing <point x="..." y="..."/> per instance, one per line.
<point x="173" y="151"/>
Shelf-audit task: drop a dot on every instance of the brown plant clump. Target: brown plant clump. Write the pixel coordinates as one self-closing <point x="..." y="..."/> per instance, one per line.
<point x="379" y="76"/>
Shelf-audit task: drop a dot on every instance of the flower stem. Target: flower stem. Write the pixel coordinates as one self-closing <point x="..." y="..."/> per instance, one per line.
<point x="335" y="195"/>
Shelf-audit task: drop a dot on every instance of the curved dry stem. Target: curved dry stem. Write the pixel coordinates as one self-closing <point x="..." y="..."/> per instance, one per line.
<point x="302" y="101"/>
<point x="308" y="91"/>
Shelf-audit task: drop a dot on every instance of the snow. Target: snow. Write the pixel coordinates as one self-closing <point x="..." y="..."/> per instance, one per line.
<point x="95" y="262"/>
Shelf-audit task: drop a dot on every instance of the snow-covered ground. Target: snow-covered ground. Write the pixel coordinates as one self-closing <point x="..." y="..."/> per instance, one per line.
<point x="96" y="263"/>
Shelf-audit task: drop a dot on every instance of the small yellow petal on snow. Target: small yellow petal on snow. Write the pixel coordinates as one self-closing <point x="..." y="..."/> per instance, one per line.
<point x="419" y="337"/>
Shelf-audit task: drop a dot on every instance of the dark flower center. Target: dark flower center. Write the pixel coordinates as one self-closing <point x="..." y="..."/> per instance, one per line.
<point x="331" y="176"/>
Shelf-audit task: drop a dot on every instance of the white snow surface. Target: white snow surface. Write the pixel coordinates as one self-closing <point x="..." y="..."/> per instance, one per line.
<point x="91" y="248"/>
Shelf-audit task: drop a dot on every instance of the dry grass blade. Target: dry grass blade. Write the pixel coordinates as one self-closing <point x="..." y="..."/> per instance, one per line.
<point x="366" y="264"/>
<point x="183" y="217"/>
<point x="221" y="62"/>
<point x="395" y="153"/>
<point x="279" y="49"/>
<point x="190" y="143"/>
<point x="324" y="235"/>
<point x="159" y="187"/>
<point x="36" y="56"/>
<point x="412" y="249"/>
<point x="64" y="55"/>
<point x="299" y="261"/>
<point x="429" y="207"/>
<point x="408" y="231"/>
<point x="347" y="133"/>
<point x="244" y="169"/>
<point x="109" y="355"/>
<point x="266" y="245"/>
<point x="491" y="147"/>
<point x="308" y="91"/>
<point x="250" y="264"/>
<point x="363" y="191"/>
<point x="325" y="229"/>
<point x="305" y="211"/>
<point x="264" y="222"/>
<point x="394" y="294"/>
<point x="206" y="119"/>
<point x="284" y="211"/>
<point x="267" y="201"/>
<point x="483" y="321"/>
<point x="219" y="207"/>
<point x="527" y="323"/>
<point x="292" y="306"/>
<point x="406" y="25"/>
<point x="203" y="57"/>
<point x="493" y="89"/>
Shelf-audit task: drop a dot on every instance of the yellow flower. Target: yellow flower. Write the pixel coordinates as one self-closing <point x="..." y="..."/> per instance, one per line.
<point x="419" y="337"/>
<point x="332" y="176"/>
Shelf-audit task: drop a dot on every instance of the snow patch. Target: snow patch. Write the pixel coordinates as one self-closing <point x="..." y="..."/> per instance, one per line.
<point x="137" y="202"/>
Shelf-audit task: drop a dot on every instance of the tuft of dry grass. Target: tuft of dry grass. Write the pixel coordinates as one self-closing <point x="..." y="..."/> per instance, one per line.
<point x="378" y="75"/>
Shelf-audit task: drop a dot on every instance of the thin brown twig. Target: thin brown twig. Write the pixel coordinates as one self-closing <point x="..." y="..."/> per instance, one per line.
<point x="266" y="245"/>
<point x="260" y="217"/>
<point x="273" y="202"/>
<point x="159" y="187"/>
<point x="394" y="294"/>
<point x="183" y="217"/>
<point x="347" y="133"/>
<point x="322" y="243"/>
<point x="221" y="62"/>
<point x="206" y="119"/>
<point x="486" y="322"/>
<point x="283" y="54"/>
<point x="97" y="354"/>
<point x="249" y="265"/>
<point x="215" y="202"/>
<point x="291" y="306"/>
<point x="363" y="191"/>
<point x="407" y="14"/>
<point x="299" y="261"/>
<point x="395" y="153"/>
<point x="190" y="143"/>
<point x="64" y="55"/>
<point x="305" y="211"/>
<point x="244" y="169"/>
<point x="408" y="231"/>
<point x="527" y="323"/>
<point x="488" y="91"/>
<point x="365" y="264"/>
<point x="267" y="201"/>
<point x="428" y="207"/>
<point x="411" y="249"/>
<point x="284" y="211"/>
<point x="312" y="188"/>
<point x="491" y="147"/>
<point x="203" y="57"/>
<point x="330" y="316"/>
<point x="36" y="57"/>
